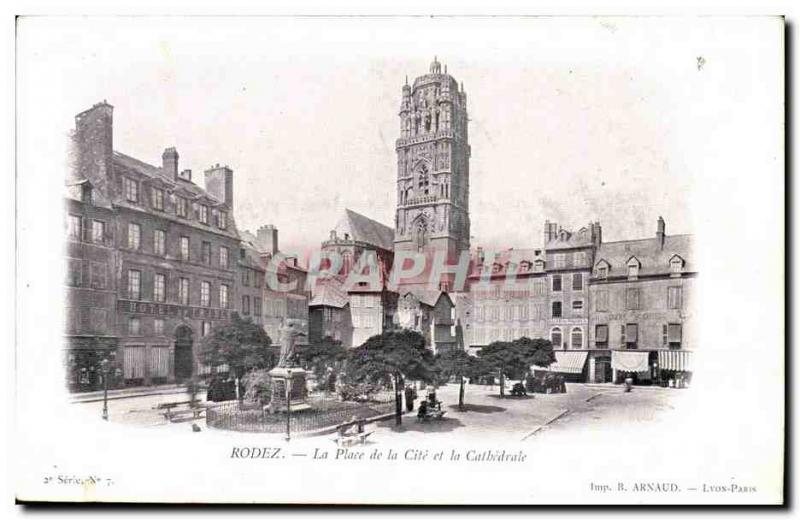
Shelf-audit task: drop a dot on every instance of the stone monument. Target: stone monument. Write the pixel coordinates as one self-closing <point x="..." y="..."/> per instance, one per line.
<point x="287" y="375"/>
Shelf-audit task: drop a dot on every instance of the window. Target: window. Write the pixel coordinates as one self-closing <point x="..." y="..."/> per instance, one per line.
<point x="158" y="326"/>
<point x="622" y="335"/>
<point x="602" y="271"/>
<point x="577" y="281"/>
<point x="203" y="214"/>
<point x="134" y="236"/>
<point x="601" y="300"/>
<point x="555" y="337"/>
<point x="74" y="270"/>
<point x="556" y="309"/>
<point x="134" y="326"/>
<point x="577" y="307"/>
<point x="223" y="296"/>
<point x="98" y="231"/>
<point x="131" y="189"/>
<point x="134" y="284"/>
<point x="159" y="242"/>
<point x="223" y="220"/>
<point x="674" y="297"/>
<point x="579" y="258"/>
<point x="74" y="227"/>
<point x="674" y="334"/>
<point x="601" y="335"/>
<point x="632" y="298"/>
<point x="205" y="249"/>
<point x="182" y="207"/>
<point x="185" y="249"/>
<point x="676" y="265"/>
<point x="576" y="338"/>
<point x="245" y="304"/>
<point x="633" y="269"/>
<point x="205" y="294"/>
<point x="246" y="277"/>
<point x="158" y="199"/>
<point x="556" y="283"/>
<point x="97" y="274"/>
<point x="631" y="335"/>
<point x="560" y="261"/>
<point x="205" y="328"/>
<point x="223" y="257"/>
<point x="183" y="291"/>
<point x="257" y="306"/>
<point x="159" y="287"/>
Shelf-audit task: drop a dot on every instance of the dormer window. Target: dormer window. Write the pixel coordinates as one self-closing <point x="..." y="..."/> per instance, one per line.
<point x="158" y="199"/>
<point x="633" y="268"/>
<point x="538" y="266"/>
<point x="131" y="189"/>
<point x="203" y="213"/>
<point x="601" y="269"/>
<point x="525" y="266"/>
<point x="676" y="265"/>
<point x="496" y="268"/>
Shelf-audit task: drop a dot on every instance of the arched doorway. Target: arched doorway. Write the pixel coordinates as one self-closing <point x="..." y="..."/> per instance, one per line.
<point x="184" y="358"/>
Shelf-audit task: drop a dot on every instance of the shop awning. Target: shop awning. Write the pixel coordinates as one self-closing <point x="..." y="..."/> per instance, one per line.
<point x="680" y="360"/>
<point x="569" y="362"/>
<point x="629" y="360"/>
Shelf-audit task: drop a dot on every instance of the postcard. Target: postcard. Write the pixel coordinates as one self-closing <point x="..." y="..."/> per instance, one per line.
<point x="400" y="260"/>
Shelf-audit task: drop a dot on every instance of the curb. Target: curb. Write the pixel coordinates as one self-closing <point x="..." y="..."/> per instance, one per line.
<point x="112" y="397"/>
<point x="547" y="423"/>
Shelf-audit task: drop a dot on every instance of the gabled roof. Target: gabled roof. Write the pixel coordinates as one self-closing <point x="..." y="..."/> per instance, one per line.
<point x="565" y="239"/>
<point x="653" y="258"/>
<point x="364" y="229"/>
<point x="74" y="191"/>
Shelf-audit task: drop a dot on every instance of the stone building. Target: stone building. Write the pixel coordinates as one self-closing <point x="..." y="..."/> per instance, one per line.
<point x="641" y="307"/>
<point x="91" y="332"/>
<point x="508" y="297"/>
<point x="329" y="313"/>
<point x="433" y="165"/>
<point x="175" y="245"/>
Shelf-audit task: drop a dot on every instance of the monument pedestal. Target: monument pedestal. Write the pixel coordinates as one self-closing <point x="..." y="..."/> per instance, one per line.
<point x="295" y="378"/>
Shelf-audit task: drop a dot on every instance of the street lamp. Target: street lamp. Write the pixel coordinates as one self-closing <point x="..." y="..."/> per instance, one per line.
<point x="288" y="404"/>
<point x="104" y="369"/>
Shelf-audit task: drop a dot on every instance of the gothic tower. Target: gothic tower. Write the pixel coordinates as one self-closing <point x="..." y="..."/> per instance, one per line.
<point x="433" y="165"/>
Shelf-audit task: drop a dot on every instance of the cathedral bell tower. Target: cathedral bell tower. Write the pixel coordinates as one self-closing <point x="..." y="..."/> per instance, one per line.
<point x="433" y="165"/>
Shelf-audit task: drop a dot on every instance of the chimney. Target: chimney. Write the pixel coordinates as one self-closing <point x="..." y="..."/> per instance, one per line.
<point x="660" y="232"/>
<point x="333" y="234"/>
<point x="94" y="129"/>
<point x="219" y="183"/>
<point x="169" y="162"/>
<point x="550" y="231"/>
<point x="597" y="234"/>
<point x="267" y="239"/>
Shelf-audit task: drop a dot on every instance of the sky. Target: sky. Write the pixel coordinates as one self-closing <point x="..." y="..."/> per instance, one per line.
<point x="571" y="120"/>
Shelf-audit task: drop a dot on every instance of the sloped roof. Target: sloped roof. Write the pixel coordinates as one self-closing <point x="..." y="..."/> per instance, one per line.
<point x="329" y="293"/>
<point x="648" y="251"/>
<point x="157" y="173"/>
<point x="565" y="239"/>
<point x="364" y="229"/>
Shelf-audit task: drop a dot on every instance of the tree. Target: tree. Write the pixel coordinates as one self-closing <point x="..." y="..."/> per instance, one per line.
<point x="241" y="344"/>
<point x="324" y="358"/>
<point x="389" y="358"/>
<point x="514" y="358"/>
<point x="457" y="363"/>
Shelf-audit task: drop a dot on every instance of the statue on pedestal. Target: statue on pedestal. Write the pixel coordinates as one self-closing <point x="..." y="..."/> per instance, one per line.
<point x="289" y="332"/>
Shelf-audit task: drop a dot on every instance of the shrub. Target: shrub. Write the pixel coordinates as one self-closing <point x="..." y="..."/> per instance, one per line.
<point x="257" y="386"/>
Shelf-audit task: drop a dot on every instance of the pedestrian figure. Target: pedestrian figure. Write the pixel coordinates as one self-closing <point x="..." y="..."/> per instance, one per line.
<point x="409" y="395"/>
<point x="423" y="410"/>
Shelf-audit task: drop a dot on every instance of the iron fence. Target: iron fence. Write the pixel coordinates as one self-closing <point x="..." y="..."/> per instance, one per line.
<point x="325" y="410"/>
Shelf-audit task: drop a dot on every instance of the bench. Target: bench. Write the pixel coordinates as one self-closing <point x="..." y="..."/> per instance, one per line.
<point x="346" y="437"/>
<point x="196" y="408"/>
